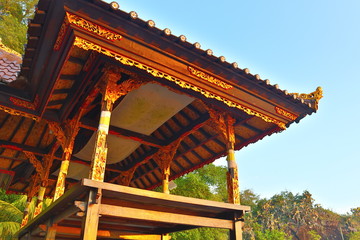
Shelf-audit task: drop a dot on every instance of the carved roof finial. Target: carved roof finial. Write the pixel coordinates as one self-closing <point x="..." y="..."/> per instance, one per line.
<point x="313" y="98"/>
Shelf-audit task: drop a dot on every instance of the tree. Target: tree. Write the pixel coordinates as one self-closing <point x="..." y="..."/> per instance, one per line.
<point x="11" y="213"/>
<point x="14" y="15"/>
<point x="209" y="183"/>
<point x="12" y="208"/>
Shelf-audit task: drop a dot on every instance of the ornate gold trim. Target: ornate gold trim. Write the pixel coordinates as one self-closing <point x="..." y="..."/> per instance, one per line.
<point x="202" y="75"/>
<point x="92" y="27"/>
<point x="19" y="113"/>
<point x="316" y="95"/>
<point x="26" y="104"/>
<point x="285" y="113"/>
<point x="86" y="45"/>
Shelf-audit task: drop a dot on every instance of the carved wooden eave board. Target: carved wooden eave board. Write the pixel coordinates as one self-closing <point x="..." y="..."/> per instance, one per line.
<point x="70" y="41"/>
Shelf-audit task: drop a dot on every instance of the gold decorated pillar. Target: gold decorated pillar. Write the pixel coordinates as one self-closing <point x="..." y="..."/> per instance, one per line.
<point x="67" y="138"/>
<point x="71" y="130"/>
<point x="40" y="199"/>
<point x="111" y="91"/>
<point x="31" y="193"/>
<point x="224" y="123"/>
<point x="43" y="170"/>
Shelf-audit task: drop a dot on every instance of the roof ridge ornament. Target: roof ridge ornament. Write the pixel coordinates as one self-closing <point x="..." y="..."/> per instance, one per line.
<point x="316" y="96"/>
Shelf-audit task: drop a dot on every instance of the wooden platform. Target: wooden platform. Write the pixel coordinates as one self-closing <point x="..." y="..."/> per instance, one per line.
<point x="125" y="211"/>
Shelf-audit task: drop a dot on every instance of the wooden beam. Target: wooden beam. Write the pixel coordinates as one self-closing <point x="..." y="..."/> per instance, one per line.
<point x="158" y="216"/>
<point x="74" y="231"/>
<point x="124" y="133"/>
<point x="22" y="147"/>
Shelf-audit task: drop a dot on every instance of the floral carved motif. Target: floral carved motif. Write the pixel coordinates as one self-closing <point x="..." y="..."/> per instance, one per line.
<point x="99" y="157"/>
<point x="224" y="124"/>
<point x="92" y="27"/>
<point x="233" y="187"/>
<point x="209" y="78"/>
<point x="86" y="45"/>
<point x="19" y="113"/>
<point x="285" y="113"/>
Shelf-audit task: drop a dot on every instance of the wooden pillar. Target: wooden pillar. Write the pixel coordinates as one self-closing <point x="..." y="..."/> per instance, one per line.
<point x="40" y="199"/>
<point x="60" y="183"/>
<point x="232" y="176"/>
<point x="224" y="123"/>
<point x="90" y="220"/>
<point x="31" y="193"/>
<point x="111" y="91"/>
<point x="166" y="174"/>
<point x="26" y="213"/>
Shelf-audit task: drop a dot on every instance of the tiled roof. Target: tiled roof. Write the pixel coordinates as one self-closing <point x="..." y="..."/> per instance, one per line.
<point x="9" y="64"/>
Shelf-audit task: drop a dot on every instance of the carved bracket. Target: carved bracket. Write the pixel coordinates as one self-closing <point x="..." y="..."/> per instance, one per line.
<point x="111" y="90"/>
<point x="165" y="155"/>
<point x="224" y="124"/>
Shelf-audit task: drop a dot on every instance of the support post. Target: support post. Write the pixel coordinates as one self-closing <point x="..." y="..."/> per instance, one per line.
<point x="25" y="219"/>
<point x="43" y="170"/>
<point x="31" y="193"/>
<point x="111" y="91"/>
<point x="90" y="220"/>
<point x="224" y="123"/>
<point x="40" y="198"/>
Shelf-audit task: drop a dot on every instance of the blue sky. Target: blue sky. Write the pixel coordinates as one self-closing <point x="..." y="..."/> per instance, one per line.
<point x="299" y="45"/>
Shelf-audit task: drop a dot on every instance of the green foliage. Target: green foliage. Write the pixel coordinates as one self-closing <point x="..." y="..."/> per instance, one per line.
<point x="209" y="183"/>
<point x="201" y="233"/>
<point x="13" y="22"/>
<point x="313" y="235"/>
<point x="11" y="213"/>
<point x="354" y="236"/>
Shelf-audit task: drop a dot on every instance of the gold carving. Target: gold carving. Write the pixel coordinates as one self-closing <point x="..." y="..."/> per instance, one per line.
<point x="60" y="184"/>
<point x="163" y="158"/>
<point x="223" y="123"/>
<point x="111" y="90"/>
<point x="86" y="45"/>
<point x="316" y="95"/>
<point x="285" y="113"/>
<point x="61" y="35"/>
<point x="125" y="177"/>
<point x="233" y="186"/>
<point x="99" y="157"/>
<point x="58" y="132"/>
<point x="38" y="209"/>
<point x="165" y="155"/>
<point x="35" y="162"/>
<point x="68" y="139"/>
<point x="92" y="27"/>
<point x="19" y="113"/>
<point x="209" y="78"/>
<point x="26" y="104"/>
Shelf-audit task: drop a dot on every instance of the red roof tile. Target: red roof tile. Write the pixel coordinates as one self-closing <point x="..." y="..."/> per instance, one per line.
<point x="10" y="63"/>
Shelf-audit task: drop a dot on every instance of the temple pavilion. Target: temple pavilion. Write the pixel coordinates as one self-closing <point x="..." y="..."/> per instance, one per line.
<point x="103" y="107"/>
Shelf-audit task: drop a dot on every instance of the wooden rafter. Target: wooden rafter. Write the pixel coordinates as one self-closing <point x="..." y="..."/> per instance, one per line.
<point x="124" y="133"/>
